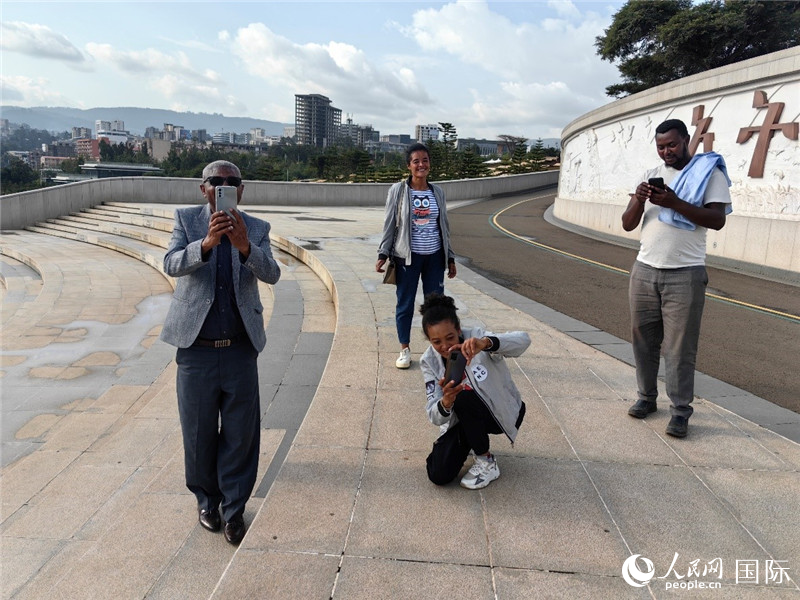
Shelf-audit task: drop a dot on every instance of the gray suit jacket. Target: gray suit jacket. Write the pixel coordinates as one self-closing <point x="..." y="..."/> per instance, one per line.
<point x="194" y="290"/>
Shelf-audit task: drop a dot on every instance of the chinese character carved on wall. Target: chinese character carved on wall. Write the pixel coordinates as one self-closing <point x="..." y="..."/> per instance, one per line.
<point x="765" y="132"/>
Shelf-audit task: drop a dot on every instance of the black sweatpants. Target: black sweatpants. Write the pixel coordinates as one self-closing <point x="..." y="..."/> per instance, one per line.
<point x="471" y="432"/>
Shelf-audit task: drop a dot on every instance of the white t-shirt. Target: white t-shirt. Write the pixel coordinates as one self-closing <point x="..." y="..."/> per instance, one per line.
<point x="666" y="247"/>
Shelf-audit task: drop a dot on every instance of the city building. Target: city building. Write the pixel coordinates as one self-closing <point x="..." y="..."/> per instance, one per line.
<point x="485" y="148"/>
<point x="81" y="132"/>
<point x="62" y="148"/>
<point x="396" y="138"/>
<point x="374" y="147"/>
<point x="88" y="148"/>
<point x="51" y="162"/>
<point x="290" y="132"/>
<point x="99" y="170"/>
<point x="113" y="132"/>
<point x="159" y="148"/>
<point x="359" y="134"/>
<point x="426" y="133"/>
<point x="317" y="122"/>
<point x="223" y="137"/>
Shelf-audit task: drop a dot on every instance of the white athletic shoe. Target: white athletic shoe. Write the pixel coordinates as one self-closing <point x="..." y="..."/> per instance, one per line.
<point x="483" y="472"/>
<point x="404" y="360"/>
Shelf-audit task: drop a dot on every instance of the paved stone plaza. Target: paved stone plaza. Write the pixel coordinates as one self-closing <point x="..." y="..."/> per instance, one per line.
<point x="93" y="499"/>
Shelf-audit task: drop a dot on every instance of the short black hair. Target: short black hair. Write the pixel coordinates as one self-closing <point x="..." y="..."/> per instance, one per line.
<point x="437" y="308"/>
<point x="673" y="124"/>
<point x="417" y="147"/>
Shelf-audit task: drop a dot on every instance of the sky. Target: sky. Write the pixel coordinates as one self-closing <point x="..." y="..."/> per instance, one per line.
<point x="523" y="68"/>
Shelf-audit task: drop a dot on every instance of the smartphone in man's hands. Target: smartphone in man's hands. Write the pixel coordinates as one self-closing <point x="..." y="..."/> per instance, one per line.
<point x="656" y="182"/>
<point x="454" y="371"/>
<point x="226" y="198"/>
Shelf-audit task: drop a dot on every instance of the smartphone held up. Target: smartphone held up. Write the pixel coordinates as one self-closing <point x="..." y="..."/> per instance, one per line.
<point x="656" y="182"/>
<point x="226" y="198"/>
<point x="454" y="371"/>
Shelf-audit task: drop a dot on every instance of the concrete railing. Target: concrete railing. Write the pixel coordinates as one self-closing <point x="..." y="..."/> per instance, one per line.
<point x="606" y="152"/>
<point x="26" y="208"/>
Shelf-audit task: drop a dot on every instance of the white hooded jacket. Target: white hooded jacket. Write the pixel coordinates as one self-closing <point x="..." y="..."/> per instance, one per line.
<point x="487" y="374"/>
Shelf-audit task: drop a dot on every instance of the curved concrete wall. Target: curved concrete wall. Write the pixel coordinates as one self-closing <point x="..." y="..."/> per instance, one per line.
<point x="26" y="208"/>
<point x="606" y="152"/>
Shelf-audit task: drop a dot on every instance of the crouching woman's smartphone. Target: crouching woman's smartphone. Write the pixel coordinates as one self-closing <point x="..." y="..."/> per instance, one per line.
<point x="454" y="371"/>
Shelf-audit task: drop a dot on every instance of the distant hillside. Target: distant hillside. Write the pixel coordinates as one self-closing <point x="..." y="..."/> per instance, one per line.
<point x="136" y="119"/>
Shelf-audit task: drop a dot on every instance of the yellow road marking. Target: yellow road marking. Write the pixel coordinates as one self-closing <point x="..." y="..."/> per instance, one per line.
<point x="525" y="240"/>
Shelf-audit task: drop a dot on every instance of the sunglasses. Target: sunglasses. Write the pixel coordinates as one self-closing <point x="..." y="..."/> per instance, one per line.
<point x="230" y="180"/>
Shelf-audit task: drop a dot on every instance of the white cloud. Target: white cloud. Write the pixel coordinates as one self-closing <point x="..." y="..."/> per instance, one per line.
<point x="30" y="91"/>
<point x="38" y="41"/>
<point x="201" y="97"/>
<point x="171" y="76"/>
<point x="338" y="70"/>
<point x="149" y="61"/>
<point x="543" y="51"/>
<point x="565" y="8"/>
<point x="536" y="75"/>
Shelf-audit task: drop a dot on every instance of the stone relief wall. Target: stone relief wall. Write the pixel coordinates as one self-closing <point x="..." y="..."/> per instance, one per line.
<point x="604" y="163"/>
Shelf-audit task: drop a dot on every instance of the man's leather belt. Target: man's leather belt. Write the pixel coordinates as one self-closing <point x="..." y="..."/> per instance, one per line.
<point x="218" y="343"/>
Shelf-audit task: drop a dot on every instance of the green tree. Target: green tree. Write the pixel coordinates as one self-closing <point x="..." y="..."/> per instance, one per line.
<point x="26" y="138"/>
<point x="511" y="142"/>
<point x="657" y="41"/>
<point x="471" y="166"/>
<point x="17" y="176"/>
<point x="536" y="155"/>
<point x="519" y="160"/>
<point x="72" y="165"/>
<point x="447" y="169"/>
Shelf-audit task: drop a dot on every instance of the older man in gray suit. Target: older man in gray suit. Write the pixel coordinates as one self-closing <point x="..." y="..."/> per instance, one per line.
<point x="215" y="319"/>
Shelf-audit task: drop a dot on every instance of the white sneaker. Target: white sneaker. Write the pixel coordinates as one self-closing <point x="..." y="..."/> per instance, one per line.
<point x="404" y="360"/>
<point x="483" y="472"/>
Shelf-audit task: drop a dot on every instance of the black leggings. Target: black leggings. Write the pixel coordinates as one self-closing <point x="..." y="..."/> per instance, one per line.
<point x="471" y="432"/>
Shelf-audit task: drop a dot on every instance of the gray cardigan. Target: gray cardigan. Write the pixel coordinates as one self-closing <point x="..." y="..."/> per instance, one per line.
<point x="396" y="240"/>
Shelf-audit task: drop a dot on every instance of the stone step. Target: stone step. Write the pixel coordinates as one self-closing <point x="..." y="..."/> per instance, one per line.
<point x="156" y="238"/>
<point x="140" y="250"/>
<point x="131" y="217"/>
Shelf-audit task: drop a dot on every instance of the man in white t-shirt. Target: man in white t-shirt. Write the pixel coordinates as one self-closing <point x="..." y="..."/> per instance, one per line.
<point x="668" y="279"/>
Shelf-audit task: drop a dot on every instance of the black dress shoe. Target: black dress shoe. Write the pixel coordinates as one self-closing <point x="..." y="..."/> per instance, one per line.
<point x="678" y="426"/>
<point x="209" y="519"/>
<point x="234" y="530"/>
<point x="642" y="408"/>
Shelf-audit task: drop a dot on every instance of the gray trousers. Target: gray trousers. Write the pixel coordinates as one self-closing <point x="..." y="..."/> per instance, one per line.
<point x="666" y="310"/>
<point x="218" y="405"/>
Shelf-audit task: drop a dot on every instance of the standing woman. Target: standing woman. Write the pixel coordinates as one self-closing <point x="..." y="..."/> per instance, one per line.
<point x="416" y="237"/>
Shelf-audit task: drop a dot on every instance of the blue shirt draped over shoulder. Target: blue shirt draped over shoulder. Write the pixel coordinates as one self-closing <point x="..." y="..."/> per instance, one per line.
<point x="690" y="186"/>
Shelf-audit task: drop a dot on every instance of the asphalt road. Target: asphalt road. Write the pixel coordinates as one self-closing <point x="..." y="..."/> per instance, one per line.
<point x="752" y="349"/>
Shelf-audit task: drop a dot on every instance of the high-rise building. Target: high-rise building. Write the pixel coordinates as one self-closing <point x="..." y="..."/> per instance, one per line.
<point x="81" y="132"/>
<point x="317" y="122"/>
<point x="425" y="133"/>
<point x="101" y="126"/>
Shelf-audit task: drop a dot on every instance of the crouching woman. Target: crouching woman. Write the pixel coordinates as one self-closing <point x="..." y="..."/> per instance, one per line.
<point x="485" y="402"/>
